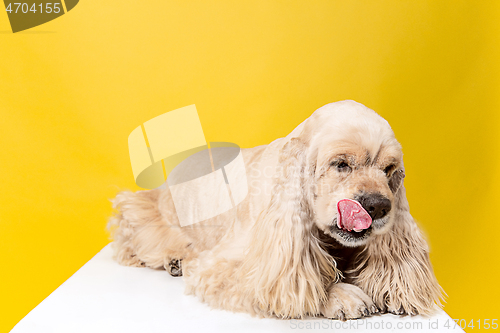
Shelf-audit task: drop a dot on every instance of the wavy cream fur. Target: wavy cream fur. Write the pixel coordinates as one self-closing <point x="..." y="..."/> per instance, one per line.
<point x="276" y="253"/>
<point x="395" y="269"/>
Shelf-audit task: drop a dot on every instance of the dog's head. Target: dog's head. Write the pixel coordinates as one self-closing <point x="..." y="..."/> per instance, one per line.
<point x="343" y="163"/>
<point x="356" y="169"/>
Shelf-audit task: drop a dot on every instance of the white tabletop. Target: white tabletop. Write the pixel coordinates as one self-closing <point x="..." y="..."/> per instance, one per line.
<point x="106" y="297"/>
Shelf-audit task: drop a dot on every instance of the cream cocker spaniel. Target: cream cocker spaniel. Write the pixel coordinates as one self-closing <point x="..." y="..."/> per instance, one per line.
<point x="324" y="230"/>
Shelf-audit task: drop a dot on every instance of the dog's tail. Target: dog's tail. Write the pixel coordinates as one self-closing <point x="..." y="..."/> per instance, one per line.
<point x="133" y="210"/>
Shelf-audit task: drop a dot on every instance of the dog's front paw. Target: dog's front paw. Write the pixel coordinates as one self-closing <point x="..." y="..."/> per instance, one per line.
<point x="398" y="309"/>
<point x="346" y="301"/>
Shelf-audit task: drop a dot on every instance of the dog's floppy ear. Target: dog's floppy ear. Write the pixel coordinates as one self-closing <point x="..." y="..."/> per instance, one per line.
<point x="394" y="268"/>
<point x="286" y="268"/>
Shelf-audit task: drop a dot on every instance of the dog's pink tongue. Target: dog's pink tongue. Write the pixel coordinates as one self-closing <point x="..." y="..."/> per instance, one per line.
<point x="352" y="216"/>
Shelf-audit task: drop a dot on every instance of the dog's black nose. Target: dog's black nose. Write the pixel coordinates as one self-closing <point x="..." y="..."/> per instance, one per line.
<point x="376" y="205"/>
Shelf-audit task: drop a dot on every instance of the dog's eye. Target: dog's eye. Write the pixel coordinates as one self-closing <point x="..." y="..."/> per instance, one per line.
<point x="342" y="166"/>
<point x="389" y="169"/>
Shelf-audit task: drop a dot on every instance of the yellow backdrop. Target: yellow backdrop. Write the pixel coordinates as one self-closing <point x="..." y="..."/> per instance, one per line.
<point x="73" y="89"/>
